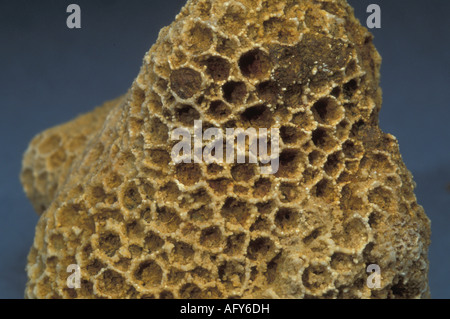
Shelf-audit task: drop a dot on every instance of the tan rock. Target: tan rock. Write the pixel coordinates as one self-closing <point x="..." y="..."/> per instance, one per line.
<point x="139" y="226"/>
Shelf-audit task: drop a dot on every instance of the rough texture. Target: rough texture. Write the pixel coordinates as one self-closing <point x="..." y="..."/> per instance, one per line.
<point x="141" y="227"/>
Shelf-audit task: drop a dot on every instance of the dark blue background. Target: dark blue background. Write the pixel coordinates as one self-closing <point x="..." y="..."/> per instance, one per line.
<point x="49" y="74"/>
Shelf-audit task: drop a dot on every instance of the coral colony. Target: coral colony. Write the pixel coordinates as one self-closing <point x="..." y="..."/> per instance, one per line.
<point x="137" y="223"/>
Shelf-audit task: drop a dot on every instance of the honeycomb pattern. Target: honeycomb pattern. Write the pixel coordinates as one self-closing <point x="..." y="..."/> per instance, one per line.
<point x="140" y="226"/>
<point x="50" y="155"/>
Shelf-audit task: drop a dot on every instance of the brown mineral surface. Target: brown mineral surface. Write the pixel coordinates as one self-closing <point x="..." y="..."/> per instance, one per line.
<point x="112" y="201"/>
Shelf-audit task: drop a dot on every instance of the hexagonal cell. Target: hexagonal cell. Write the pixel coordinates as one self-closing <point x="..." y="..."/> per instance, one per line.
<point x="350" y="88"/>
<point x="342" y="262"/>
<point x="290" y="192"/>
<point x="261" y="248"/>
<point x="135" y="229"/>
<point x="235" y="244"/>
<point x="94" y="153"/>
<point x="258" y="116"/>
<point x="56" y="242"/>
<point x="211" y="237"/>
<point x="200" y="273"/>
<point x="219" y="110"/>
<point x="112" y="180"/>
<point x="137" y="99"/>
<point x="214" y="169"/>
<point x="377" y="162"/>
<point x="200" y="37"/>
<point x="186" y="114"/>
<point x="200" y="196"/>
<point x="240" y="190"/>
<point x="217" y="68"/>
<point x="94" y="267"/>
<point x="185" y="82"/>
<point x="382" y="197"/>
<point x="325" y="190"/>
<point x="336" y="92"/>
<point x="255" y="64"/>
<point x="226" y="46"/>
<point x="273" y="27"/>
<point x="352" y="165"/>
<point x="202" y="214"/>
<point x="354" y="235"/>
<point x="327" y="111"/>
<point x="266" y="208"/>
<point x="324" y="139"/>
<point x="350" y="200"/>
<point x="234" y="92"/>
<point x="111" y="283"/>
<point x="316" y="278"/>
<point x="316" y="158"/>
<point x="319" y="250"/>
<point x="123" y="264"/>
<point x="268" y="91"/>
<point x="182" y="252"/>
<point x="233" y="19"/>
<point x="95" y="194"/>
<point x="169" y="192"/>
<point x="168" y="219"/>
<point x="109" y="243"/>
<point x="135" y="251"/>
<point x="291" y="134"/>
<point x="262" y="187"/>
<point x="352" y="149"/>
<point x="49" y="144"/>
<point x="188" y="173"/>
<point x="287" y="219"/>
<point x="175" y="275"/>
<point x="72" y="215"/>
<point x="243" y="172"/>
<point x="149" y="273"/>
<point x="292" y="96"/>
<point x="235" y="211"/>
<point x="334" y="164"/>
<point x="131" y="197"/>
<point x="360" y="129"/>
<point x="290" y="160"/>
<point x="158" y="132"/>
<point x="304" y="121"/>
<point x="153" y="242"/>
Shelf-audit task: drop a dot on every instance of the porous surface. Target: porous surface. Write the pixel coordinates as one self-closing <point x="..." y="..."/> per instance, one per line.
<point x="140" y="226"/>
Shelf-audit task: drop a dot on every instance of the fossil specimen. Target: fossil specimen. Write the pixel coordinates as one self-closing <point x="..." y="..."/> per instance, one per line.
<point x="139" y="226"/>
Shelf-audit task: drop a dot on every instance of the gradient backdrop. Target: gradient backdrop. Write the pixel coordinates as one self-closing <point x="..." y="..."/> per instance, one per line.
<point x="49" y="74"/>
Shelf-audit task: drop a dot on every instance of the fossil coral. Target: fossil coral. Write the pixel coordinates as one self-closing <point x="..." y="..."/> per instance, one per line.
<point x="140" y="226"/>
